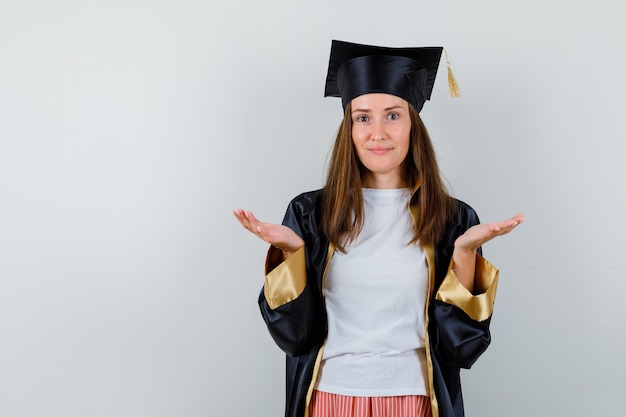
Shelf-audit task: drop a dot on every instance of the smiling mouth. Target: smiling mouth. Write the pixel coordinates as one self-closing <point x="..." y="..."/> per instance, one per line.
<point x="379" y="151"/>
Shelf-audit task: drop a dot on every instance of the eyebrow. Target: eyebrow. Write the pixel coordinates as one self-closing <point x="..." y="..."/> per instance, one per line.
<point x="368" y="110"/>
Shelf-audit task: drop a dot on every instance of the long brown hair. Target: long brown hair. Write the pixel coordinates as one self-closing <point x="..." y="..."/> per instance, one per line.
<point x="342" y="206"/>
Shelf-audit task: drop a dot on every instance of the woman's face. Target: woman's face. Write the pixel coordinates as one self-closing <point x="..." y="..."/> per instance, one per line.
<point x="381" y="129"/>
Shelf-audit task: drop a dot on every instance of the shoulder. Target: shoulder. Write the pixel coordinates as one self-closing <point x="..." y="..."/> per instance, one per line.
<point x="304" y="213"/>
<point x="308" y="195"/>
<point x="463" y="218"/>
<point x="465" y="213"/>
<point x="306" y="202"/>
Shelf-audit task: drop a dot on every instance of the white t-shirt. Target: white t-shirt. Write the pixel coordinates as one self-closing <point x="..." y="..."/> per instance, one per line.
<point x="375" y="300"/>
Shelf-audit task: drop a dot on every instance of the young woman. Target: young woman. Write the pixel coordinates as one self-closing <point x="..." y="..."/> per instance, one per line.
<point x="375" y="285"/>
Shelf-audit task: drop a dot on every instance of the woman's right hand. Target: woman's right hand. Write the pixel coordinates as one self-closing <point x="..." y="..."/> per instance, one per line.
<point x="276" y="235"/>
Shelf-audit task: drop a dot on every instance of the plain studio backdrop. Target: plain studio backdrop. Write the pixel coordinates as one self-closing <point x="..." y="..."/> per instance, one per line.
<point x="130" y="129"/>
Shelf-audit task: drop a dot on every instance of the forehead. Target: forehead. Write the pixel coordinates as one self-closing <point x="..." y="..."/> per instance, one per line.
<point x="375" y="101"/>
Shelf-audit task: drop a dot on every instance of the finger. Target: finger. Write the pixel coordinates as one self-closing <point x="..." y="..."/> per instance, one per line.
<point x="252" y="218"/>
<point x="245" y="221"/>
<point x="514" y="221"/>
<point x="240" y="217"/>
<point x="261" y="229"/>
<point x="254" y="222"/>
<point x="519" y="218"/>
<point x="507" y="226"/>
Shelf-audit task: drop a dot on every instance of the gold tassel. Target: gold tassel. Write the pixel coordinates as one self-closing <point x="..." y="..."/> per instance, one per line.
<point x="453" y="87"/>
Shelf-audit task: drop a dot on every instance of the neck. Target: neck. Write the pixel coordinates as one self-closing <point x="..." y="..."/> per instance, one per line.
<point x="391" y="181"/>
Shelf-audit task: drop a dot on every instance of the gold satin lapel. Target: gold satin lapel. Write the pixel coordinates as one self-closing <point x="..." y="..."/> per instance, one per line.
<point x="429" y="250"/>
<point x="478" y="307"/>
<point x="316" y="369"/>
<point x="320" y="354"/>
<point x="287" y="281"/>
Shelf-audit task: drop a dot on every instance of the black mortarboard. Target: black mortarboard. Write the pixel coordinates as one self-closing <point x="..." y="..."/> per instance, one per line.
<point x="356" y="69"/>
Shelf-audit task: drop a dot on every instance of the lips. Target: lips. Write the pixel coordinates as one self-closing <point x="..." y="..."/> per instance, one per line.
<point x="379" y="150"/>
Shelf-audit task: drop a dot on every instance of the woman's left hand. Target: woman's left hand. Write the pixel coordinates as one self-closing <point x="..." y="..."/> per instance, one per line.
<point x="477" y="235"/>
<point x="465" y="246"/>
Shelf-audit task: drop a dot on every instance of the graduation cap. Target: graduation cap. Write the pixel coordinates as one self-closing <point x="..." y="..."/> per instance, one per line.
<point x="409" y="73"/>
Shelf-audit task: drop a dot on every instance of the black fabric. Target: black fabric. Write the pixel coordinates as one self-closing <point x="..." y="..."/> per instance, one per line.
<point x="299" y="327"/>
<point x="356" y="69"/>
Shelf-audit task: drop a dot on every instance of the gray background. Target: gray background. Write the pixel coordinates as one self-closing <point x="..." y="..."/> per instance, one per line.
<point x="130" y="129"/>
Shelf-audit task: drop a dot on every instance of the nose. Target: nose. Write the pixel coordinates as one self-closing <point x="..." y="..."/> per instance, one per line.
<point x="378" y="130"/>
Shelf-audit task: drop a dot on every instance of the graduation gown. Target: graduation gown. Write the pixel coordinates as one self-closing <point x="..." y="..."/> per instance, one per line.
<point x="292" y="305"/>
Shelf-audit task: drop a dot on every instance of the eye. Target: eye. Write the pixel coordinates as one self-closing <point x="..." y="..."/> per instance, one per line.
<point x="361" y="119"/>
<point x="393" y="116"/>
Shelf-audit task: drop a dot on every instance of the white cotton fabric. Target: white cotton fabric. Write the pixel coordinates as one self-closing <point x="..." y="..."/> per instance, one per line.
<point x="375" y="300"/>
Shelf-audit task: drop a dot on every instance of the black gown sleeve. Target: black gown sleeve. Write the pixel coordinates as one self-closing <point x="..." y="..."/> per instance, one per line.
<point x="460" y="319"/>
<point x="291" y="300"/>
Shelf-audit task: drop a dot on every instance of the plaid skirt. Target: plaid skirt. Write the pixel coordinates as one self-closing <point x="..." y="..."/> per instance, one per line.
<point x="324" y="404"/>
